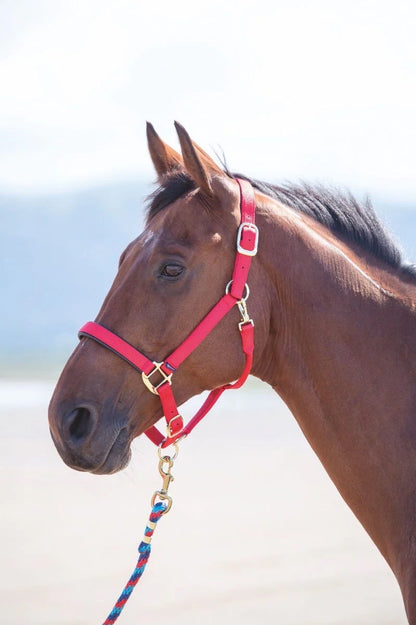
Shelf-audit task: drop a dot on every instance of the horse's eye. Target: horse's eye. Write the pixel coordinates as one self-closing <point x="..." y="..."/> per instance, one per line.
<point x="171" y="271"/>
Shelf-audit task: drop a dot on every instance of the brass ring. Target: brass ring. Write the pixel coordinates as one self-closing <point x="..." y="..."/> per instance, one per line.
<point x="172" y="458"/>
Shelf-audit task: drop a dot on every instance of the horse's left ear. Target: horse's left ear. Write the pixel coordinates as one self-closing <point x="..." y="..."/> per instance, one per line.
<point x="165" y="159"/>
<point x="197" y="163"/>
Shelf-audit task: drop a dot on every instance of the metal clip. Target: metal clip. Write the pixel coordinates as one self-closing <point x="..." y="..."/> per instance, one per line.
<point x="165" y="465"/>
<point x="242" y="307"/>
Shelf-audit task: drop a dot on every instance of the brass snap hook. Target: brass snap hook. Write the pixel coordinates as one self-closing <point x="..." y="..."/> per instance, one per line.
<point x="165" y="466"/>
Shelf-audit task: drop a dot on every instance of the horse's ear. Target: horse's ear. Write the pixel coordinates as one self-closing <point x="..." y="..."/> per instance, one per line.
<point x="165" y="159"/>
<point x="197" y="163"/>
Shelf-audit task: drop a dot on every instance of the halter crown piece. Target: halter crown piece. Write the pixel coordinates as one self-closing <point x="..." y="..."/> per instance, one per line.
<point x="157" y="376"/>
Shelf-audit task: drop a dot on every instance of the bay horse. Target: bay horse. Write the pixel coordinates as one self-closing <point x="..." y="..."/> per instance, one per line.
<point x="334" y="308"/>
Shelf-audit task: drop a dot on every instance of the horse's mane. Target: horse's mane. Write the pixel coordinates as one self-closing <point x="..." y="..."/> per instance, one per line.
<point x="339" y="211"/>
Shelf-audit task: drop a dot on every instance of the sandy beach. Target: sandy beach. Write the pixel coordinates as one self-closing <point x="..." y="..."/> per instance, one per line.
<point x="257" y="532"/>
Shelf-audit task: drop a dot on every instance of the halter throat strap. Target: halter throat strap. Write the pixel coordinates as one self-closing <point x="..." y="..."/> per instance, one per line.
<point x="157" y="376"/>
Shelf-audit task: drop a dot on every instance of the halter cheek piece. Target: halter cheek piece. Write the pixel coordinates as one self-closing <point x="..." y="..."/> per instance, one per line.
<point x="157" y="376"/>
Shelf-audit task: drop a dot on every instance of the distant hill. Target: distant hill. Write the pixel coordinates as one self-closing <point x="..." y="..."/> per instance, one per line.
<point x="59" y="256"/>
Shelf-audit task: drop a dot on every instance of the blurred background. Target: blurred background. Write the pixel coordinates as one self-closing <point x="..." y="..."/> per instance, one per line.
<point x="288" y="90"/>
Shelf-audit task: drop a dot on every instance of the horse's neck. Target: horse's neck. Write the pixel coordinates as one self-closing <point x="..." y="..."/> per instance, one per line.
<point x="340" y="354"/>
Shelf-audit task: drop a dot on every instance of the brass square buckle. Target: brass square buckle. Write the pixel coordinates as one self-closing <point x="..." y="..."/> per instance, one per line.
<point x="247" y="226"/>
<point x="158" y="369"/>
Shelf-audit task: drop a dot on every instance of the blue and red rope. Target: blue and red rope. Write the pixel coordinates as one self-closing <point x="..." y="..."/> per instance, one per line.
<point x="144" y="550"/>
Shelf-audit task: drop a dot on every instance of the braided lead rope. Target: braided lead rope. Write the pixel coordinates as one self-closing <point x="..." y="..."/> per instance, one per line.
<point x="158" y="510"/>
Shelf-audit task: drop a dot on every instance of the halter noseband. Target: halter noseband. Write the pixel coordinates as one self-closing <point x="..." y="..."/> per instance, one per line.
<point x="236" y="292"/>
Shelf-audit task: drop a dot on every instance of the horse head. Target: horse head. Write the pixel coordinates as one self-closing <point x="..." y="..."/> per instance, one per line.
<point x="168" y="279"/>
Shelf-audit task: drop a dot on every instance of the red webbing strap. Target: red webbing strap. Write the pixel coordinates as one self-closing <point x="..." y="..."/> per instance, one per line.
<point x="174" y="421"/>
<point x="247" y="241"/>
<point x="247" y="238"/>
<point x="154" y="435"/>
<point x="117" y="345"/>
<point x="247" y="338"/>
<point x="202" y="330"/>
<point x="139" y="361"/>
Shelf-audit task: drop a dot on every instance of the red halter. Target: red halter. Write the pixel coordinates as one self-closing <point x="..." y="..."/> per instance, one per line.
<point x="247" y="241"/>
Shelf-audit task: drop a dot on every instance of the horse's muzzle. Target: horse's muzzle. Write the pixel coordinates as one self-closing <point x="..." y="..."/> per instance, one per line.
<point x="84" y="448"/>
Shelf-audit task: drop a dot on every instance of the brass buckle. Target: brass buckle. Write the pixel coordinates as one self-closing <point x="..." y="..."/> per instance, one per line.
<point x="158" y="369"/>
<point x="249" y="226"/>
<point x="169" y="425"/>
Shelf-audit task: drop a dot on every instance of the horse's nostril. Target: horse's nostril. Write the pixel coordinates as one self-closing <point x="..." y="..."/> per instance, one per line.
<point x="80" y="424"/>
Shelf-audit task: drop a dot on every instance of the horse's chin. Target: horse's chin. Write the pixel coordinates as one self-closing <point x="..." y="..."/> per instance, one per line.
<point x="113" y="458"/>
<point x="116" y="460"/>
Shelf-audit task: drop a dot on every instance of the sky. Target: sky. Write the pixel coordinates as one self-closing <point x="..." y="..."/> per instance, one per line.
<point x="321" y="90"/>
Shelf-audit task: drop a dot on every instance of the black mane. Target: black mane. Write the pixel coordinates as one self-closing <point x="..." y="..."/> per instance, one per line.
<point x="171" y="190"/>
<point x="340" y="212"/>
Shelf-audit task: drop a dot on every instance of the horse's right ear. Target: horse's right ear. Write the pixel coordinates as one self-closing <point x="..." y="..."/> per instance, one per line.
<point x="198" y="164"/>
<point x="165" y="159"/>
